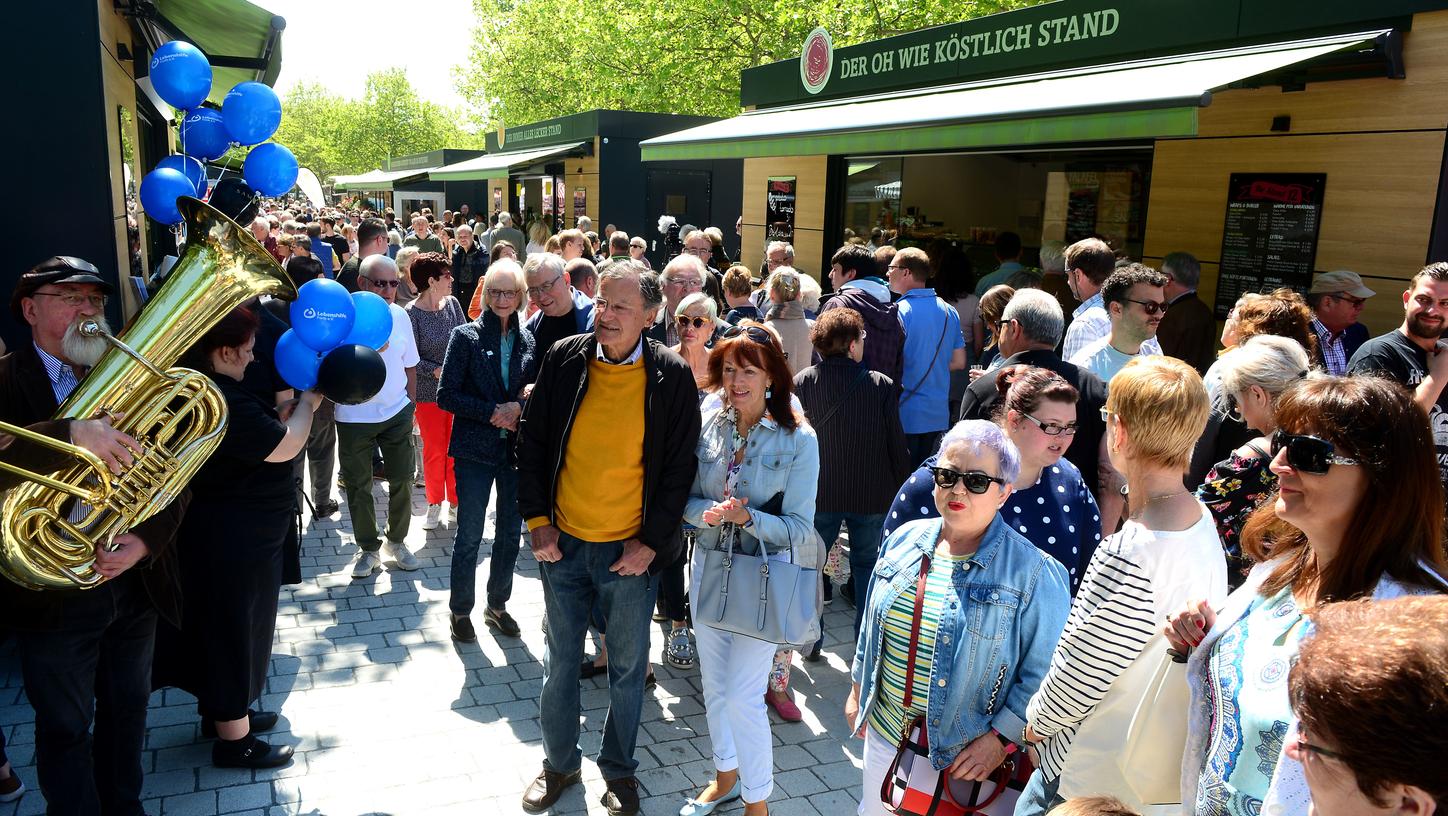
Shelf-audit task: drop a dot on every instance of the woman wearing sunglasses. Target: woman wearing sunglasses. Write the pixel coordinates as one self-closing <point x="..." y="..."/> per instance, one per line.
<point x="1253" y="376"/>
<point x="1358" y="514"/>
<point x="979" y="607"/>
<point x="698" y="318"/>
<point x="1166" y="553"/>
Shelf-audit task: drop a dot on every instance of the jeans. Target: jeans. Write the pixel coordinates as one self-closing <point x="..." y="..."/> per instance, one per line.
<point x="475" y="483"/>
<point x="571" y="585"/>
<point x="922" y="446"/>
<point x="1039" y="796"/>
<point x="439" y="471"/>
<point x="96" y="670"/>
<point x="355" y="443"/>
<point x="866" y="530"/>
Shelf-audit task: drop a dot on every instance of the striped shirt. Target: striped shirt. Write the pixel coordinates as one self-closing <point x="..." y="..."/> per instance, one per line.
<point x="1090" y="323"/>
<point x="1334" y="353"/>
<point x="62" y="375"/>
<point x="889" y="716"/>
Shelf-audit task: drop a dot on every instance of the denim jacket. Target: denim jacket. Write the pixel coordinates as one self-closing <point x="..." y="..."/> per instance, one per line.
<point x="472" y="386"/>
<point x="995" y="638"/>
<point x="775" y="461"/>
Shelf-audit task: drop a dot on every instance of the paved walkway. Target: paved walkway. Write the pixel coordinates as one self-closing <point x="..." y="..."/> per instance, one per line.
<point x="389" y="716"/>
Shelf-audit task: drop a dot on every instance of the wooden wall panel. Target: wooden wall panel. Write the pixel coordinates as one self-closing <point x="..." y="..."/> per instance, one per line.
<point x="810" y="174"/>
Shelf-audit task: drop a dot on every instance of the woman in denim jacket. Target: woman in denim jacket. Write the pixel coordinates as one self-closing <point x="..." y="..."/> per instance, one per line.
<point x="758" y="472"/>
<point x="994" y="606"/>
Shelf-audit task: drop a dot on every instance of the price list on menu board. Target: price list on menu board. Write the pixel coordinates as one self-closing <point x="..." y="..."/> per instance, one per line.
<point x="1270" y="236"/>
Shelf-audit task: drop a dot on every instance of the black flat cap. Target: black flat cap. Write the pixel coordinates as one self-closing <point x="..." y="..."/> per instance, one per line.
<point x="59" y="269"/>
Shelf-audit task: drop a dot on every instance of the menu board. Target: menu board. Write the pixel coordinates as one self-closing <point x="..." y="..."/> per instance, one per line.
<point x="1270" y="237"/>
<point x="779" y="209"/>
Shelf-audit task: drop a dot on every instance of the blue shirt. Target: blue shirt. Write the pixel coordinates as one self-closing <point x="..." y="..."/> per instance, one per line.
<point x="932" y="334"/>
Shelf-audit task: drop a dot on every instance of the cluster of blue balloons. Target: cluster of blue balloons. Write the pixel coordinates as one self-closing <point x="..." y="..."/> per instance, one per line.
<point x="249" y="115"/>
<point x="327" y="323"/>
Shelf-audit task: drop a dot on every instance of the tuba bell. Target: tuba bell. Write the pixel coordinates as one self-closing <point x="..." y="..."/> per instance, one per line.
<point x="52" y="525"/>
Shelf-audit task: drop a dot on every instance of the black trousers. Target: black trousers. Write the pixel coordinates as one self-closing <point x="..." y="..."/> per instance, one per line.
<point x="96" y="669"/>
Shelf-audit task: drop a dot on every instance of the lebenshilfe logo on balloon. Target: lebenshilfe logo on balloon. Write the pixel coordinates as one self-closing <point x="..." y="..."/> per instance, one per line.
<point x="312" y="314"/>
<point x="816" y="60"/>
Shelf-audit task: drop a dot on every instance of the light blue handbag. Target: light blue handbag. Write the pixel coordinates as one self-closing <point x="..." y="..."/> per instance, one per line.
<point x="752" y="595"/>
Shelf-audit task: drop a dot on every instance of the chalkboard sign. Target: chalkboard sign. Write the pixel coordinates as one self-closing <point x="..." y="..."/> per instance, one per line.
<point x="1270" y="237"/>
<point x="779" y="209"/>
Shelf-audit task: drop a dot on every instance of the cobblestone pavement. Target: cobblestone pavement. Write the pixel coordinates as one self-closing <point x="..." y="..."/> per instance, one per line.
<point x="389" y="716"/>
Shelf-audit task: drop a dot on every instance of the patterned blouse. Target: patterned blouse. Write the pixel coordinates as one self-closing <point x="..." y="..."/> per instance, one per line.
<point x="431" y="330"/>
<point x="1233" y="489"/>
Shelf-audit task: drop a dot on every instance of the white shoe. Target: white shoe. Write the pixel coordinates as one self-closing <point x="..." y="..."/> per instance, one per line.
<point x="366" y="564"/>
<point x="400" y="555"/>
<point x="444" y="515"/>
<point x="431" y="520"/>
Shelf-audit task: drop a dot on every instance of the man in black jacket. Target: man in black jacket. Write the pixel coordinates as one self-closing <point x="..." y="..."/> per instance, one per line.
<point x="605" y="463"/>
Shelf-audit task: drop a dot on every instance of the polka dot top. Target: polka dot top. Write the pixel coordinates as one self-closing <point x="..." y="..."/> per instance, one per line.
<point x="1057" y="513"/>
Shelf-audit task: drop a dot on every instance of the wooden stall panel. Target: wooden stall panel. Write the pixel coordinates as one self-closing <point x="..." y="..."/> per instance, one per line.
<point x="809" y="219"/>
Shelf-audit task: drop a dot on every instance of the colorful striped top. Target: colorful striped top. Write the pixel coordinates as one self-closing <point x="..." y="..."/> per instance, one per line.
<point x="888" y="716"/>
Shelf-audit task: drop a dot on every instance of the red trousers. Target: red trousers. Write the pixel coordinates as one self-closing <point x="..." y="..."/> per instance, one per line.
<point x="437" y="467"/>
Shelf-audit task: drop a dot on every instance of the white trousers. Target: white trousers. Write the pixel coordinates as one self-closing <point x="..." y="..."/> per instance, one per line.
<point x="878" y="755"/>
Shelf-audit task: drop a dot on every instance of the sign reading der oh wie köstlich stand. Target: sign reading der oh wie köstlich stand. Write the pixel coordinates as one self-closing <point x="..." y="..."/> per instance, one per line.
<point x="1270" y="236"/>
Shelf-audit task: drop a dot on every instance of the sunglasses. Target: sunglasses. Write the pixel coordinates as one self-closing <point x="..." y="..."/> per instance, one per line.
<point x="390" y="284"/>
<point x="1305" y="747"/>
<point x="1308" y="454"/>
<point x="1151" y="307"/>
<point x="755" y="333"/>
<point x="696" y="322"/>
<point x="1051" y="428"/>
<point x="975" y="481"/>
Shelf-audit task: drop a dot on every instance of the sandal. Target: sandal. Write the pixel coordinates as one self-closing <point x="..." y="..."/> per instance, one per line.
<point x="678" y="651"/>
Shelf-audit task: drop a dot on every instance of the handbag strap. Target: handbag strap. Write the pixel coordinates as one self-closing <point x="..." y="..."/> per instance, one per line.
<point x="849" y="389"/>
<point x="915" y="634"/>
<point x="944" y="327"/>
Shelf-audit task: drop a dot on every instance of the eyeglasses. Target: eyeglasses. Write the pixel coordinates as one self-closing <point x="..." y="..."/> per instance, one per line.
<point x="1151" y="307"/>
<point x="1106" y="415"/>
<point x="533" y="291"/>
<point x="696" y="322"/>
<point x="390" y="284"/>
<point x="975" y="481"/>
<point x="690" y="284"/>
<point x="700" y="252"/>
<point x="74" y="299"/>
<point x="499" y="294"/>
<point x="1305" y="747"/>
<point x="1308" y="454"/>
<point x="755" y="333"/>
<point x="1356" y="303"/>
<point x="1051" y="428"/>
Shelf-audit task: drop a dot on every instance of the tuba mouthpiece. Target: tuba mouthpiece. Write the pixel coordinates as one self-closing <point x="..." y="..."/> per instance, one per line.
<point x="90" y="328"/>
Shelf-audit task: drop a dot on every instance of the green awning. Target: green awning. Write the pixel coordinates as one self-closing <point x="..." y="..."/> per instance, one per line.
<point x="381" y="180"/>
<point x="241" y="40"/>
<point x="496" y="165"/>
<point x="1147" y="99"/>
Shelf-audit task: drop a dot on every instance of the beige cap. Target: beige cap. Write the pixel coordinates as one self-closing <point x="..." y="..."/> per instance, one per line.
<point x="1341" y="281"/>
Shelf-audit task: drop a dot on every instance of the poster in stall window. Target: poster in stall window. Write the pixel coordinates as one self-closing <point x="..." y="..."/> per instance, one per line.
<point x="779" y="210"/>
<point x="580" y="204"/>
<point x="497" y="199"/>
<point x="1269" y="240"/>
<point x="548" y="196"/>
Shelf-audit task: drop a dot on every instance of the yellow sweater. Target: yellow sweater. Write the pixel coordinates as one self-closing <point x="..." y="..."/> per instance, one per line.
<point x="601" y="485"/>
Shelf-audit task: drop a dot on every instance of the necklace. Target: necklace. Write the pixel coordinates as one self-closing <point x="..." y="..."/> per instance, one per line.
<point x="1151" y="499"/>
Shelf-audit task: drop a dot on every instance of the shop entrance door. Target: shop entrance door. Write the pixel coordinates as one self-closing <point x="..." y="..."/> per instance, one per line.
<point x="683" y="194"/>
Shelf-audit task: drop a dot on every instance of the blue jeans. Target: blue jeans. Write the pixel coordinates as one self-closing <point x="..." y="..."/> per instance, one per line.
<point x="475" y="484"/>
<point x="571" y="587"/>
<point x="1039" y="796"/>
<point x="866" y="531"/>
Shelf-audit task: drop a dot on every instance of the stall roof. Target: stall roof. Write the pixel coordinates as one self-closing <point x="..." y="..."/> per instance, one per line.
<point x="493" y="164"/>
<point x="241" y="40"/>
<point x="1144" y="99"/>
<point x="379" y="179"/>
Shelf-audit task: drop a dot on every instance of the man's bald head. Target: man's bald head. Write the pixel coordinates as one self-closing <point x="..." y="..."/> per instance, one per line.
<point x="378" y="274"/>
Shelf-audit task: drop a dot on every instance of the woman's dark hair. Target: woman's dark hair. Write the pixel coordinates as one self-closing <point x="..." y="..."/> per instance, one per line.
<point x="954" y="275"/>
<point x="744" y="349"/>
<point x="426" y="267"/>
<point x="1023" y="389"/>
<point x="1397" y="524"/>
<point x="232" y="331"/>
<point x="1373" y="673"/>
<point x="1283" y="313"/>
<point x="834" y="330"/>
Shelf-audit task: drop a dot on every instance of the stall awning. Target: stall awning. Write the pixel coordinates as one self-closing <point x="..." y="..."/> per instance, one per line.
<point x="240" y="39"/>
<point x="1146" y="99"/>
<point x="495" y="165"/>
<point x="379" y="179"/>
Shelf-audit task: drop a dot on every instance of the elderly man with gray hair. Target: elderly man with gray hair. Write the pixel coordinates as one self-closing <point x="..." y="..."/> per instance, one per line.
<point x="562" y="310"/>
<point x="382" y="423"/>
<point x="682" y="276"/>
<point x="1030" y="328"/>
<point x="1188" y="330"/>
<point x="505" y="231"/>
<point x="605" y="463"/>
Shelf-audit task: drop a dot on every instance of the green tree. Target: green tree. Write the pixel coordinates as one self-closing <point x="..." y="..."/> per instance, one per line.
<point x="536" y="59"/>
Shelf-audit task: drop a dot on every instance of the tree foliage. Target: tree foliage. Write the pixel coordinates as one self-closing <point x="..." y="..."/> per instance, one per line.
<point x="536" y="59"/>
<point x="334" y="135"/>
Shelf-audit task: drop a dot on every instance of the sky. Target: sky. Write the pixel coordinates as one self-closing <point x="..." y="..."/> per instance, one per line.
<point x="338" y="42"/>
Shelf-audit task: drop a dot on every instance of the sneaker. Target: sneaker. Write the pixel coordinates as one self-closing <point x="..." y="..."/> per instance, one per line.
<point x="11" y="788"/>
<point x="367" y="563"/>
<point x="326" y="509"/>
<point x="462" y="629"/>
<point x="430" y="521"/>
<point x="678" y="651"/>
<point x="399" y="555"/>
<point x="444" y="515"/>
<point x="502" y="621"/>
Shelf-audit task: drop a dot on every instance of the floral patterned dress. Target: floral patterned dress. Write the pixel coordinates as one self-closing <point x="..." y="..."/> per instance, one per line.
<point x="1233" y="489"/>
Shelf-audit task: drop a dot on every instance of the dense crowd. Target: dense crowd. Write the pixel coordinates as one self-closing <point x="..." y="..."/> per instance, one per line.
<point x="1096" y="561"/>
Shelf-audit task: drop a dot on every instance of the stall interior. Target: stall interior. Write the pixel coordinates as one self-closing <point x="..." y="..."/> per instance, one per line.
<point x="970" y="198"/>
<point x="540" y="197"/>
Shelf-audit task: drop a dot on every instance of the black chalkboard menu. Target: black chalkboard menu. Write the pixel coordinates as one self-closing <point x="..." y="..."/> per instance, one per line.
<point x="779" y="209"/>
<point x="1270" y="237"/>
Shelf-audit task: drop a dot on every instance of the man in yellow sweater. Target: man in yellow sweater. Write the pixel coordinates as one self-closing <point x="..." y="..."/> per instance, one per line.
<point x="605" y="463"/>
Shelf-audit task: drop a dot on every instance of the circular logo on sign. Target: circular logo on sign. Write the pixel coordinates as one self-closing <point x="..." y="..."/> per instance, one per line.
<point x="816" y="60"/>
<point x="309" y="313"/>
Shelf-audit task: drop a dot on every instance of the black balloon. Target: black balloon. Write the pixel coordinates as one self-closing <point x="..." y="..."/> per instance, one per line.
<point x="235" y="198"/>
<point x="351" y="374"/>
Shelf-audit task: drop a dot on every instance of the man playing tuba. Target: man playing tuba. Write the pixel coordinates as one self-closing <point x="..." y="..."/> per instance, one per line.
<point x="83" y="651"/>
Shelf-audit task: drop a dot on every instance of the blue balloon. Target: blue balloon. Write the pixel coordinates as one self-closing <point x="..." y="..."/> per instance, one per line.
<point x="203" y="135"/>
<point x="188" y="167"/>
<point x="159" y="191"/>
<point x="373" y="325"/>
<point x="296" y="362"/>
<point x="181" y="75"/>
<point x="322" y="314"/>
<point x="270" y="169"/>
<point x="252" y="111"/>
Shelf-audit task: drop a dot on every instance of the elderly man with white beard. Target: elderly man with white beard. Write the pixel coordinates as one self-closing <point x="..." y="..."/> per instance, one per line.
<point x="85" y="655"/>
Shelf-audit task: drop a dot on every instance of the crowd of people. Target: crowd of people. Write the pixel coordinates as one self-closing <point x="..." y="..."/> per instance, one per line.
<point x="1046" y="492"/>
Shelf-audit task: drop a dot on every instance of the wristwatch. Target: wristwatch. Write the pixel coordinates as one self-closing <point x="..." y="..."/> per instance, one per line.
<point x="1006" y="744"/>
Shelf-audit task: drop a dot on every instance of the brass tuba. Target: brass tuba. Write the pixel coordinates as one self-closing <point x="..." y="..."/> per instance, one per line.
<point x="53" y="524"/>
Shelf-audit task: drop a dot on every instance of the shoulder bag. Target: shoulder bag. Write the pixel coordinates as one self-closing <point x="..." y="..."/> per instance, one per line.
<point x="754" y="596"/>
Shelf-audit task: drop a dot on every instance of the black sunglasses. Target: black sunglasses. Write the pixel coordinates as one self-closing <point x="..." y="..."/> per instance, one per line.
<point x="696" y="322"/>
<point x="1308" y="454"/>
<point x="755" y="333"/>
<point x="1151" y="307"/>
<point x="391" y="284"/>
<point x="975" y="481"/>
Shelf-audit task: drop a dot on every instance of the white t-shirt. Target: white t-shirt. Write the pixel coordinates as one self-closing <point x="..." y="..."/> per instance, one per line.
<point x="399" y="354"/>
